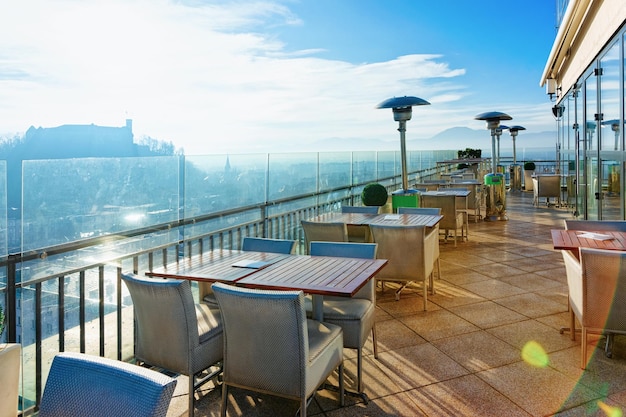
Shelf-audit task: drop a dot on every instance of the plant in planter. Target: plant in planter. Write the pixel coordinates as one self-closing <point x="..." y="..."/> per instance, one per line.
<point x="529" y="166"/>
<point x="374" y="194"/>
<point x="468" y="153"/>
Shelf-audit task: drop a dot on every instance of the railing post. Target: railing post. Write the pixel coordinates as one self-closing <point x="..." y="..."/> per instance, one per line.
<point x="11" y="301"/>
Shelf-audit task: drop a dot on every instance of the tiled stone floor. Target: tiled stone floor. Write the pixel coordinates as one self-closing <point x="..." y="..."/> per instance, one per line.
<point x="499" y="291"/>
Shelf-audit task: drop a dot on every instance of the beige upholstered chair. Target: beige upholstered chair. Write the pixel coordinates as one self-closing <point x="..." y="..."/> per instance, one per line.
<point x="254" y="244"/>
<point x="174" y="333"/>
<point x="355" y="315"/>
<point x="547" y="186"/>
<point x="271" y="347"/>
<point x="431" y="211"/>
<point x="597" y="294"/>
<point x="359" y="233"/>
<point x="410" y="252"/>
<point x="453" y="218"/>
<point x="596" y="225"/>
<point x="81" y="385"/>
<point x="9" y="378"/>
<point x="323" y="232"/>
<point x="473" y="199"/>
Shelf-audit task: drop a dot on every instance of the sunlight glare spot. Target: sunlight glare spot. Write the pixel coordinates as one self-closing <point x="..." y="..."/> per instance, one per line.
<point x="535" y="355"/>
<point x="610" y="411"/>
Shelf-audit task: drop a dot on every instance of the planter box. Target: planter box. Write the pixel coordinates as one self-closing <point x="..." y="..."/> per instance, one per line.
<point x="10" y="361"/>
<point x="528" y="180"/>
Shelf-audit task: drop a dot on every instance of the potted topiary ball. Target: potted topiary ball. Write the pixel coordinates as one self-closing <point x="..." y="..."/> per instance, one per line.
<point x="374" y="194"/>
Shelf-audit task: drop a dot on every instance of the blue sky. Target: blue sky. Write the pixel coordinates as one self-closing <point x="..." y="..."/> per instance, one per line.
<point x="267" y="76"/>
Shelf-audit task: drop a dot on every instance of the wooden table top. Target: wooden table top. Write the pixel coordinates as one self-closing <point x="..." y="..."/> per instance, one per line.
<point x="572" y="240"/>
<point x="214" y="266"/>
<point x="320" y="275"/>
<point x="457" y="193"/>
<point x="361" y="219"/>
<point x="316" y="275"/>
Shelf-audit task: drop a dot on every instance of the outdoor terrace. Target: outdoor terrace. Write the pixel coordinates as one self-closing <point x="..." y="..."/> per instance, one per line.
<point x="499" y="291"/>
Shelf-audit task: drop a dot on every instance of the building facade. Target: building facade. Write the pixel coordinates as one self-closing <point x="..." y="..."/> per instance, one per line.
<point x="584" y="77"/>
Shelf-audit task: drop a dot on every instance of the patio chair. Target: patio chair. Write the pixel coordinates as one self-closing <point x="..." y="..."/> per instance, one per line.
<point x="10" y="362"/>
<point x="547" y="186"/>
<point x="255" y="244"/>
<point x="359" y="233"/>
<point x="323" y="232"/>
<point x="597" y="294"/>
<point x="431" y="211"/>
<point x="81" y="385"/>
<point x="410" y="253"/>
<point x="271" y="347"/>
<point x="473" y="201"/>
<point x="174" y="333"/>
<point x="453" y="218"/>
<point x="355" y="315"/>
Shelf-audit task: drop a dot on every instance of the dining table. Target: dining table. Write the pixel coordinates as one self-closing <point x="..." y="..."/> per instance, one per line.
<point x="572" y="240"/>
<point x="316" y="275"/>
<point x="363" y="219"/>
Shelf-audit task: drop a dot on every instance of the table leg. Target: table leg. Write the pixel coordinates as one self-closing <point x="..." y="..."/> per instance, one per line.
<point x="318" y="307"/>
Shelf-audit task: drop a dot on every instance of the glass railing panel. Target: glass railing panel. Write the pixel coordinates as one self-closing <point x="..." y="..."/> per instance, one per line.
<point x="364" y="167"/>
<point x="292" y="175"/>
<point x="220" y="183"/>
<point x="107" y="205"/>
<point x="335" y="170"/>
<point x="388" y="164"/>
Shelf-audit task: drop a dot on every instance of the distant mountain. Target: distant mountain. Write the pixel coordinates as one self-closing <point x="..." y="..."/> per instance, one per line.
<point x="455" y="138"/>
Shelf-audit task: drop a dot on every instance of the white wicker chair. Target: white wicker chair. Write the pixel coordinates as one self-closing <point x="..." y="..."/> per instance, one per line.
<point x="271" y="347"/>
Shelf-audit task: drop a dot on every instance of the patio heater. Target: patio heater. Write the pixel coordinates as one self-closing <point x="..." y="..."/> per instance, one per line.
<point x="614" y="123"/>
<point x="496" y="196"/>
<point x="613" y="174"/>
<point x="499" y="130"/>
<point x="516" y="170"/>
<point x="402" y="110"/>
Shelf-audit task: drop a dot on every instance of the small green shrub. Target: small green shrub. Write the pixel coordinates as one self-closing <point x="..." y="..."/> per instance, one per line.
<point x="374" y="194"/>
<point x="529" y="166"/>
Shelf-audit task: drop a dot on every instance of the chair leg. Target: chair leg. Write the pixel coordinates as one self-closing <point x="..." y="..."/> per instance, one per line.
<point x="583" y="349"/>
<point x="425" y="284"/>
<point x="191" y="394"/>
<point x="342" y="393"/>
<point x="303" y="404"/>
<point x="374" y="341"/>
<point x="608" y="347"/>
<point x="438" y="268"/>
<point x="359" y="371"/>
<point x="224" y="400"/>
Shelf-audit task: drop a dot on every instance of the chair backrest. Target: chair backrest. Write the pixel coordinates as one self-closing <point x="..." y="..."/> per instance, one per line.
<point x="265" y="338"/>
<point x="259" y="244"/>
<point x="324" y="232"/>
<point x="548" y="185"/>
<point x="166" y="325"/>
<point x="408" y="253"/>
<point x="420" y="210"/>
<point x="9" y="378"/>
<point x="350" y="250"/>
<point x="596" y="225"/>
<point x="84" y="385"/>
<point x="448" y="206"/>
<point x="360" y="209"/>
<point x="470" y="199"/>
<point x="604" y="288"/>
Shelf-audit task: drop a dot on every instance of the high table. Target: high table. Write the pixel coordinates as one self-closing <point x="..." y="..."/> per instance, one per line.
<point x="315" y="275"/>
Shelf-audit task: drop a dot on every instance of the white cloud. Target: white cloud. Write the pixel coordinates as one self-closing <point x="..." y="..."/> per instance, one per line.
<point x="201" y="75"/>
